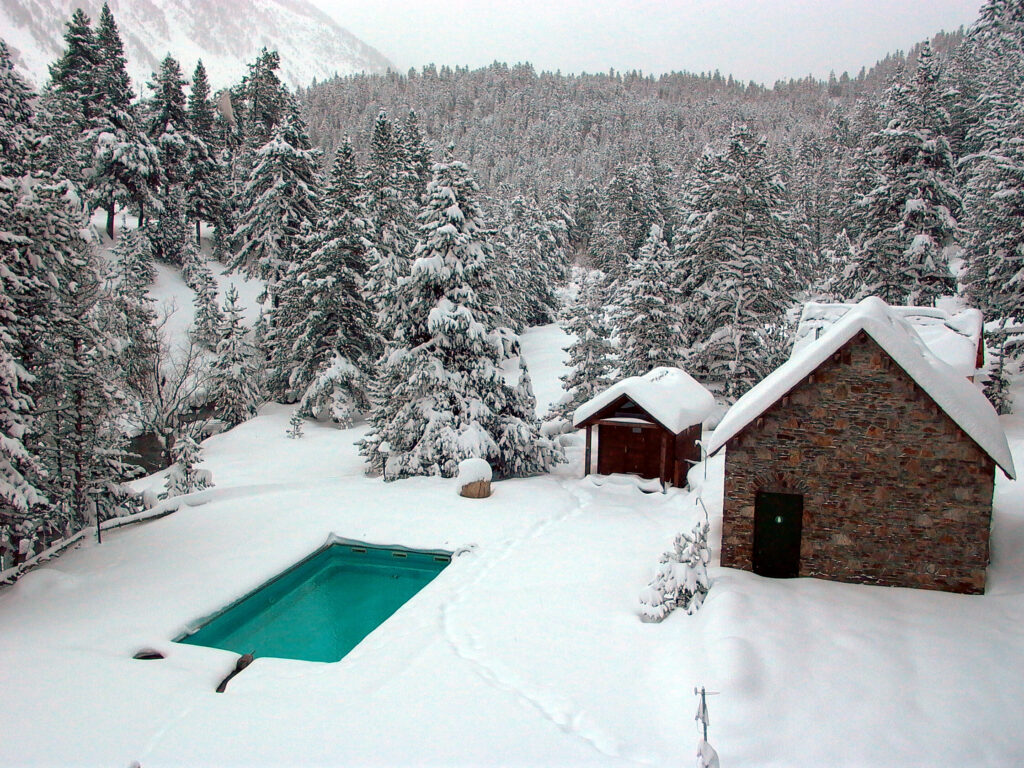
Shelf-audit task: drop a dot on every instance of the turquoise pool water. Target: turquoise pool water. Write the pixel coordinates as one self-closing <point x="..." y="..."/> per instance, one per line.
<point x="320" y="608"/>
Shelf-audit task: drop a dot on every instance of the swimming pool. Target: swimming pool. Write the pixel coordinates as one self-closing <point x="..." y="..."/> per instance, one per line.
<point x="323" y="606"/>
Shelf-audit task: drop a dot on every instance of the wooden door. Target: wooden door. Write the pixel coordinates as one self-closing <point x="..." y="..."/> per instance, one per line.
<point x="778" y="522"/>
<point x="629" y="450"/>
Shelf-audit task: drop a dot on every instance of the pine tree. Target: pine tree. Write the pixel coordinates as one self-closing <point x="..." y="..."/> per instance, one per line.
<point x="133" y="274"/>
<point x="169" y="126"/>
<point x="418" y="154"/>
<point x="332" y="345"/>
<point x="263" y="100"/>
<point x="170" y="234"/>
<point x="74" y="73"/>
<point x="994" y="278"/>
<point x="647" y="316"/>
<point x="448" y="398"/>
<point x="21" y="497"/>
<point x="682" y="579"/>
<point x="17" y="133"/>
<point x="911" y="216"/>
<point x="233" y="378"/>
<point x="630" y="207"/>
<point x="280" y="199"/>
<point x="81" y="394"/>
<point x="531" y="267"/>
<point x="589" y="355"/>
<point x="184" y="477"/>
<point x="295" y="425"/>
<point x="734" y="258"/>
<point x="123" y="165"/>
<point x="206" y="190"/>
<point x="391" y="213"/>
<point x="198" y="276"/>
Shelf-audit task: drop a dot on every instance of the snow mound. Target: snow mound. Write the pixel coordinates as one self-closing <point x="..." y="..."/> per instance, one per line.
<point x="670" y="395"/>
<point x="953" y="393"/>
<point x="474" y="470"/>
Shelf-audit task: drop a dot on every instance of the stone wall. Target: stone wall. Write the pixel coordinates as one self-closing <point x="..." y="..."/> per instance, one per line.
<point x="895" y="493"/>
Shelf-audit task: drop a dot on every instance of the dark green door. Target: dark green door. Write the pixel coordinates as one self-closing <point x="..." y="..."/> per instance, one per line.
<point x="778" y="519"/>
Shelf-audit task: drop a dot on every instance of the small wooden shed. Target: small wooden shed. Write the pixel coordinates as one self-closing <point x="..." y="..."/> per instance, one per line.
<point x="646" y="425"/>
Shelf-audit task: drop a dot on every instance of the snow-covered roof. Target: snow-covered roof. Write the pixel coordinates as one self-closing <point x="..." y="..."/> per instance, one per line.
<point x="961" y="400"/>
<point x="670" y="395"/>
<point x="953" y="338"/>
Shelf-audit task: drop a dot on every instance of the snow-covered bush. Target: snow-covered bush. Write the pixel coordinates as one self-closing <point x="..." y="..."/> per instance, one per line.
<point x="184" y="477"/>
<point x="682" y="578"/>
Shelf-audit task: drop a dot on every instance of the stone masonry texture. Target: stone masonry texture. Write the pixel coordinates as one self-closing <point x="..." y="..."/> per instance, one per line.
<point x="895" y="493"/>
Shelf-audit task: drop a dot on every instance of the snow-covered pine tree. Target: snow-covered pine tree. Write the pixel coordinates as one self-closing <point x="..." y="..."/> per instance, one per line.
<point x="448" y="397"/>
<point x="184" y="477"/>
<point x="682" y="577"/>
<point x="74" y="73"/>
<point x="81" y="394"/>
<point x="734" y="256"/>
<point x="647" y="315"/>
<point x="911" y="215"/>
<point x="206" y="188"/>
<point x="170" y="131"/>
<point x="589" y="355"/>
<point x="534" y="262"/>
<point x="169" y="126"/>
<point x="123" y="165"/>
<point x="418" y="154"/>
<point x="21" y="497"/>
<point x="994" y="278"/>
<point x="133" y="273"/>
<point x="263" y="100"/>
<point x="628" y="211"/>
<point x="333" y="343"/>
<point x="391" y="212"/>
<point x="234" y="389"/>
<point x="198" y="276"/>
<point x="280" y="198"/>
<point x="17" y="133"/>
<point x="170" y="233"/>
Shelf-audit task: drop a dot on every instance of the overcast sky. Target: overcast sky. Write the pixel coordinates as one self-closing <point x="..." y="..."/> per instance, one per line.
<point x="761" y="40"/>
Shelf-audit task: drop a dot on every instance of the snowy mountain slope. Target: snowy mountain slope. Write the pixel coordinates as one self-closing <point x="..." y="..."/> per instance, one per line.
<point x="225" y="34"/>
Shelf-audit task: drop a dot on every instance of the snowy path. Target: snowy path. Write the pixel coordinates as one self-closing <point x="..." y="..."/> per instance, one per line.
<point x="566" y="714"/>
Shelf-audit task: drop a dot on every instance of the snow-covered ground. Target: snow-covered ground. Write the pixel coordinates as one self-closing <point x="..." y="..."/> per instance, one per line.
<point x="526" y="650"/>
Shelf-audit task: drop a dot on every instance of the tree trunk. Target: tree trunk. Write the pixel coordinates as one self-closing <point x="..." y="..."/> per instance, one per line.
<point x="110" y="219"/>
<point x="198" y="223"/>
<point x="142" y="214"/>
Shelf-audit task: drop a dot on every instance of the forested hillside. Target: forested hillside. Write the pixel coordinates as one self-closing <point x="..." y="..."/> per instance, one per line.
<point x="407" y="227"/>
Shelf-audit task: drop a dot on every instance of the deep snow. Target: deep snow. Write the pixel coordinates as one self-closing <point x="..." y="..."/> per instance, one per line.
<point x="527" y="650"/>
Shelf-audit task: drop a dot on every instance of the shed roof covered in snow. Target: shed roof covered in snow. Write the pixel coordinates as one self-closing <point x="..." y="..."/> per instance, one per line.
<point x="671" y="396"/>
<point x="959" y="398"/>
<point x="954" y="338"/>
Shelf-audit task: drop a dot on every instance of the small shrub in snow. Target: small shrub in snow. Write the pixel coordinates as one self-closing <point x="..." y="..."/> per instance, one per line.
<point x="184" y="477"/>
<point x="682" y="578"/>
<point x="295" y="423"/>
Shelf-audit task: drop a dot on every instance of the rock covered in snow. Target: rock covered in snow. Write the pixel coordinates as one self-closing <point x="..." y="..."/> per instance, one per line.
<point x="474" y="478"/>
<point x="474" y="470"/>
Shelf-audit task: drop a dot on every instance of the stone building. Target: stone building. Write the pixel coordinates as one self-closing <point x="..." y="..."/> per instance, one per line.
<point x="864" y="458"/>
